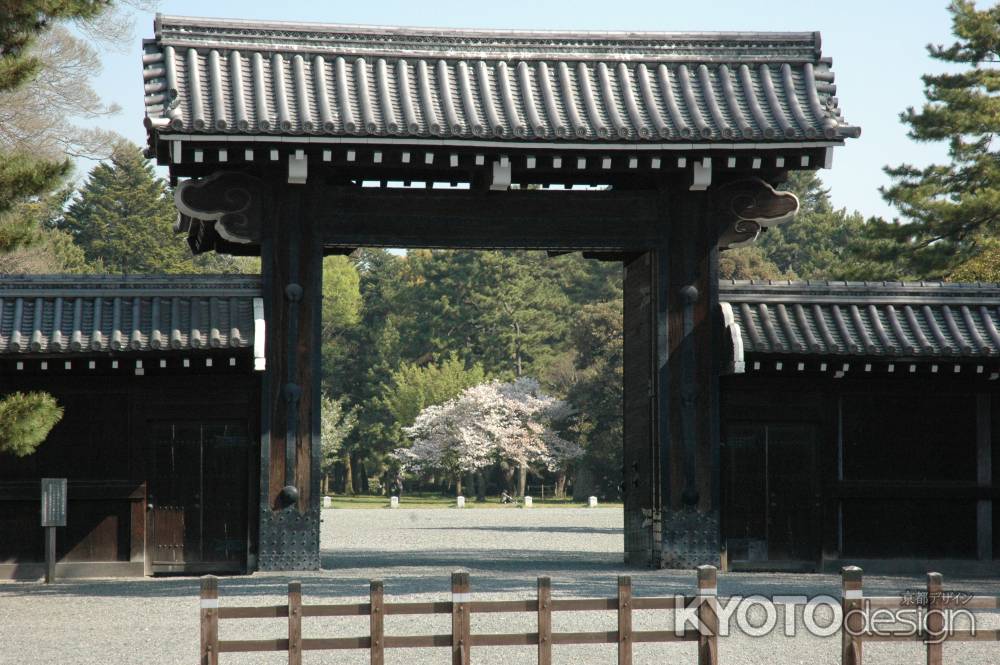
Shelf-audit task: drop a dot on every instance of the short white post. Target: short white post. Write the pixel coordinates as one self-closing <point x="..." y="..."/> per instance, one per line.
<point x="592" y="502"/>
<point x="394" y="502"/>
<point x="527" y="502"/>
<point x="327" y="502"/>
<point x="460" y="502"/>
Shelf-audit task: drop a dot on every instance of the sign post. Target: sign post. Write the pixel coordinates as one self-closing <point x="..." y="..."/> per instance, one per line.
<point x="53" y="515"/>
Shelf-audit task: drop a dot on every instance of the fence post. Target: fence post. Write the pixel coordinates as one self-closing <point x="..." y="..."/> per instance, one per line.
<point x="851" y="624"/>
<point x="209" y="620"/>
<point x="934" y="628"/>
<point x="377" y="623"/>
<point x="544" y="621"/>
<point x="708" y="615"/>
<point x="461" y="626"/>
<point x="294" y="623"/>
<point x="624" y="620"/>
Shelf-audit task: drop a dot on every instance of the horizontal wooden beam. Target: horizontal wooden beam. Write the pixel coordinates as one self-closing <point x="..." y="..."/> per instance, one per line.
<point x="467" y="219"/>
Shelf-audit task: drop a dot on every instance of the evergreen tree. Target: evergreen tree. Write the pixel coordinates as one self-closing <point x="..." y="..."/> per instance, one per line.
<point x="123" y="216"/>
<point x="951" y="209"/>
<point x="26" y="420"/>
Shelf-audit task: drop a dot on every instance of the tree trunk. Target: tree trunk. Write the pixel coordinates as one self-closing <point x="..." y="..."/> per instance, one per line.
<point x="458" y="485"/>
<point x="360" y="475"/>
<point x="522" y="478"/>
<point x="348" y="474"/>
<point x="560" y="490"/>
<point x="480" y="487"/>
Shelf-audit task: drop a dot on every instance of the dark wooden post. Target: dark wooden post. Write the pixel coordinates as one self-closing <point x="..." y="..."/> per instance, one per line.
<point x="377" y="623"/>
<point x="851" y="601"/>
<point x="708" y="615"/>
<point x="292" y="266"/>
<point x="209" y="620"/>
<point x="294" y="623"/>
<point x="624" y="620"/>
<point x="934" y="629"/>
<point x="461" y="623"/>
<point x="544" y="621"/>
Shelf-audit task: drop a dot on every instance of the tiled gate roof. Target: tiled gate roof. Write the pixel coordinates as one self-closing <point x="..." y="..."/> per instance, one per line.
<point x="926" y="320"/>
<point x="210" y="76"/>
<point x="94" y="314"/>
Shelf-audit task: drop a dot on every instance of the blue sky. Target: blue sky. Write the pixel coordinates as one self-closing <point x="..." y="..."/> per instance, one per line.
<point x="877" y="46"/>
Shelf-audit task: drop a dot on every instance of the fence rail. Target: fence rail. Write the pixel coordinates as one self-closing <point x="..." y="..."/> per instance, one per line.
<point x="931" y="630"/>
<point x="857" y="613"/>
<point x="461" y="608"/>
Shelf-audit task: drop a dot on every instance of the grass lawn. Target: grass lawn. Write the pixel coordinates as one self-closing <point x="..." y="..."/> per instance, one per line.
<point x="426" y="500"/>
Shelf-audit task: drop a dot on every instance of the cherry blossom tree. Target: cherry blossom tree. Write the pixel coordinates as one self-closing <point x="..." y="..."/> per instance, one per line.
<point x="490" y="423"/>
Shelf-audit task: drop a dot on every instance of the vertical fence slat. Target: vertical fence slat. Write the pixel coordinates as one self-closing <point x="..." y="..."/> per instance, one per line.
<point x="935" y="619"/>
<point x="377" y="623"/>
<point x="708" y="615"/>
<point x="850" y="629"/>
<point x="294" y="623"/>
<point x="209" y="620"/>
<point x="624" y="620"/>
<point x="544" y="621"/>
<point x="461" y="625"/>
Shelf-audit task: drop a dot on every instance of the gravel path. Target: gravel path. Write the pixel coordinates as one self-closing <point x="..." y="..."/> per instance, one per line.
<point x="155" y="621"/>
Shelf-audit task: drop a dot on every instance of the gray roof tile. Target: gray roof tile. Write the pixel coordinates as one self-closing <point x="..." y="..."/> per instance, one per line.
<point x="235" y="77"/>
<point x="922" y="320"/>
<point x="99" y="314"/>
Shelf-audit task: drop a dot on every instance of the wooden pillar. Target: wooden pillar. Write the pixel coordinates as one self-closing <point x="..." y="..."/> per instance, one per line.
<point x="687" y="357"/>
<point x="282" y="219"/>
<point x="688" y="383"/>
<point x="984" y="476"/>
<point x="291" y="262"/>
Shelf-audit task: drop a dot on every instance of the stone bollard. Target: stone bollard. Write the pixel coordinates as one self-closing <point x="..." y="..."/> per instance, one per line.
<point x="460" y="502"/>
<point x="527" y="502"/>
<point x="394" y="502"/>
<point x="592" y="502"/>
<point x="327" y="502"/>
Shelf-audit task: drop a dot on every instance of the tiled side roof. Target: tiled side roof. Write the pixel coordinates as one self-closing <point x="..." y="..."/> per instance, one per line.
<point x="214" y="76"/>
<point x="927" y="320"/>
<point x="75" y="315"/>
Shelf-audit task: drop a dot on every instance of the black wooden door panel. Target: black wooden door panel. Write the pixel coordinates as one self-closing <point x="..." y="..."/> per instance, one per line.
<point x="791" y="514"/>
<point x="198" y="493"/>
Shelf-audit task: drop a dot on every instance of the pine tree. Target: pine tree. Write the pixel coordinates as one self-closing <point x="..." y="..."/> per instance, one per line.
<point x="26" y="420"/>
<point x="951" y="209"/>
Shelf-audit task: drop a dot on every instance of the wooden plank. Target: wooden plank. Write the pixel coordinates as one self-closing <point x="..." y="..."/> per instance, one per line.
<point x="984" y="477"/>
<point x="647" y="636"/>
<point x="335" y="643"/>
<point x="417" y="608"/>
<point x="992" y="635"/>
<point x="708" y="616"/>
<point x="584" y="604"/>
<point x="359" y="609"/>
<point x="460" y="624"/>
<point x="294" y="623"/>
<point x="260" y="612"/>
<point x="209" y="620"/>
<point x="654" y="603"/>
<point x="544" y="604"/>
<point x="504" y="639"/>
<point x="934" y="620"/>
<point x="624" y="620"/>
<point x="244" y="646"/>
<point x="851" y="591"/>
<point x="417" y="641"/>
<point x="490" y="606"/>
<point x="377" y="623"/>
<point x="591" y="220"/>
<point x="595" y="637"/>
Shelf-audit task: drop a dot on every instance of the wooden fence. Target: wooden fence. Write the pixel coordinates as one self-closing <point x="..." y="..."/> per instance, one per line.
<point x="930" y="629"/>
<point x="461" y="607"/>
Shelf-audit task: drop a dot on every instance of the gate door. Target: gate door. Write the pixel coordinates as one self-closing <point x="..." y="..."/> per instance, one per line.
<point x="198" y="496"/>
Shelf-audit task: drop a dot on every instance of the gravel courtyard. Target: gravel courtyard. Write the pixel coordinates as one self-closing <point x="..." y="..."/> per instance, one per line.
<point x="155" y="621"/>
